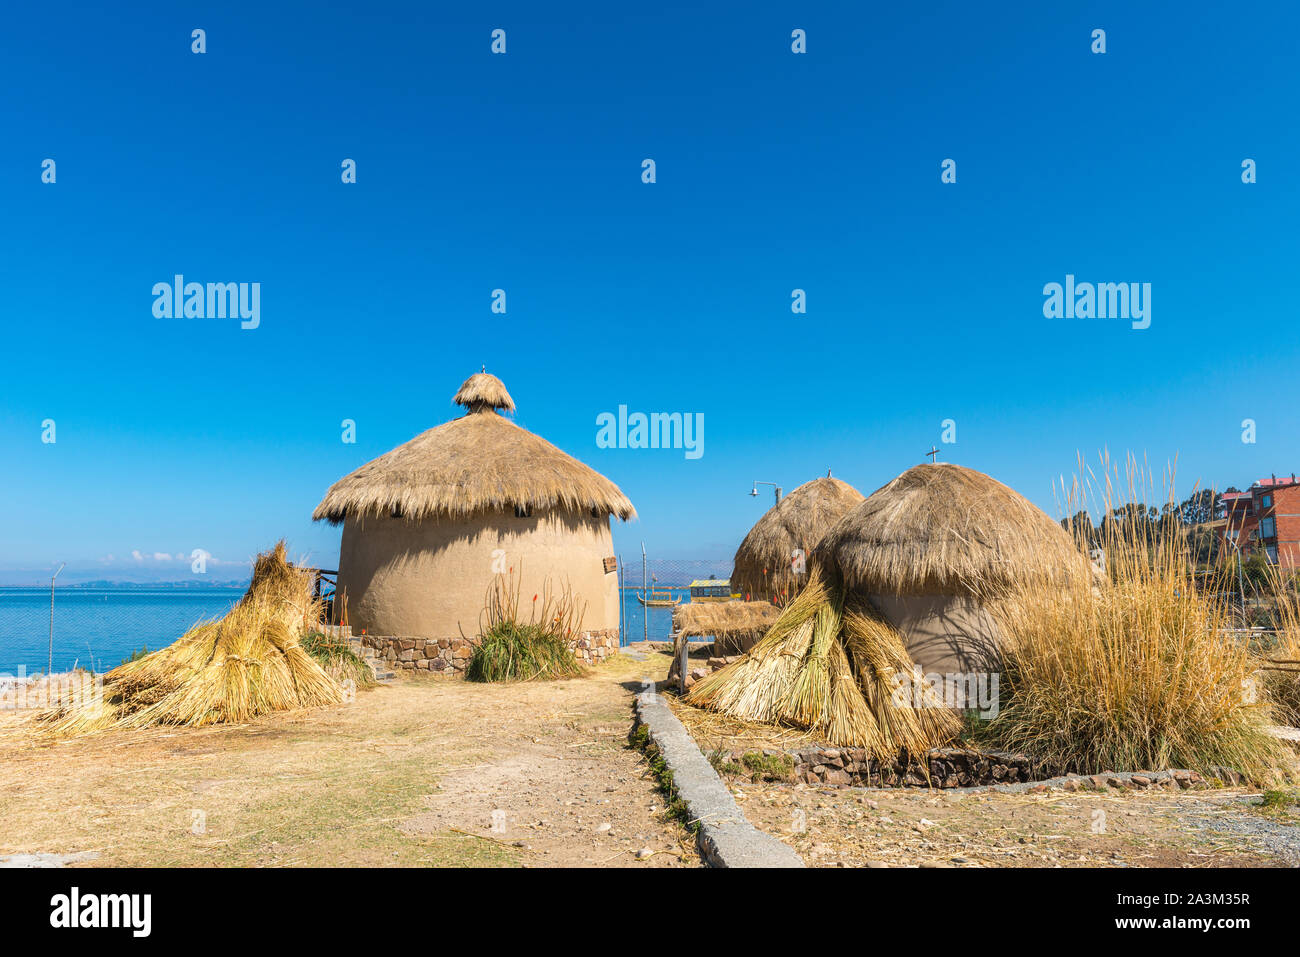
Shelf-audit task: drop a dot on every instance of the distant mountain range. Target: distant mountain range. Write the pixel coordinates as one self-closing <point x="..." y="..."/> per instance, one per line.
<point x="189" y="585"/>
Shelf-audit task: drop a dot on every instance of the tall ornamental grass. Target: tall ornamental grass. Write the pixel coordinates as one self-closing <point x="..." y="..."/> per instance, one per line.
<point x="1140" y="669"/>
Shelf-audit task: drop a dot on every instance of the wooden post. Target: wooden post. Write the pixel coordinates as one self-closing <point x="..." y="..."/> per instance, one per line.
<point x="683" y="662"/>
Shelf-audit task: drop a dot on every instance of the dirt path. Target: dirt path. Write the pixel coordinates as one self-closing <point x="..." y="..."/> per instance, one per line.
<point x="424" y="772"/>
<point x="857" y="827"/>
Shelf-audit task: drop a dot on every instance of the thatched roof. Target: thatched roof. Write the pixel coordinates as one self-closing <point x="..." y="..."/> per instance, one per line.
<point x="479" y="462"/>
<point x="725" y="619"/>
<point x="483" y="389"/>
<point x="945" y="529"/>
<point x="762" y="562"/>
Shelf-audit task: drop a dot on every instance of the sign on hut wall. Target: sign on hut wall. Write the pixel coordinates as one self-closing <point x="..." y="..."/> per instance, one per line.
<point x="611" y="564"/>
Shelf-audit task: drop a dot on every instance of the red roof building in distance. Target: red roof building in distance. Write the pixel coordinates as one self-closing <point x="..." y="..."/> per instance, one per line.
<point x="1264" y="518"/>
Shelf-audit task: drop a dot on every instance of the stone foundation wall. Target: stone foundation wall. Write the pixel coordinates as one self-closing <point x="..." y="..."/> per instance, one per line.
<point x="450" y="656"/>
<point x="949" y="768"/>
<point x="595" y="646"/>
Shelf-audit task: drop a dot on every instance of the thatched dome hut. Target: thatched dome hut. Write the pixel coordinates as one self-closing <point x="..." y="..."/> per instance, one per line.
<point x="428" y="526"/>
<point x="764" y="564"/>
<point x="930" y="547"/>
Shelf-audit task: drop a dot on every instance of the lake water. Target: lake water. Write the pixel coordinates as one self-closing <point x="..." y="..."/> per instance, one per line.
<point x="98" y="628"/>
<point x="654" y="623"/>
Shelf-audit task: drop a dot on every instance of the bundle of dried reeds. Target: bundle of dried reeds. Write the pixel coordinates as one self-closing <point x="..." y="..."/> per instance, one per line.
<point x="232" y="669"/>
<point x="832" y="672"/>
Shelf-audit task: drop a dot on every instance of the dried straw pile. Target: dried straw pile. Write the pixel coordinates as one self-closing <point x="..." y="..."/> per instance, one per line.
<point x="229" y="670"/>
<point x="831" y="667"/>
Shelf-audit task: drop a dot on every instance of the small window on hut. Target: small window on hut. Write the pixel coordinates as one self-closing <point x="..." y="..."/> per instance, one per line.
<point x="523" y="511"/>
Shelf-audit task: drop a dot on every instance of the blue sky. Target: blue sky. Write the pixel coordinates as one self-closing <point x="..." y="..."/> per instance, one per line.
<point x="775" y="171"/>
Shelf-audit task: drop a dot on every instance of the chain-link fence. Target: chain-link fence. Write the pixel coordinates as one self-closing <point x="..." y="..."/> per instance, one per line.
<point x="652" y="587"/>
<point x="97" y="628"/>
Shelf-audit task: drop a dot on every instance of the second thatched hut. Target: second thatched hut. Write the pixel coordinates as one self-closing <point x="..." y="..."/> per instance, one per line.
<point x="771" y="563"/>
<point x="930" y="548"/>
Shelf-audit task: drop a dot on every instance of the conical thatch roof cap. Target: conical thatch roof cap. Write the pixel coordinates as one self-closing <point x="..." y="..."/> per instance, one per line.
<point x="479" y="462"/>
<point x="483" y="390"/>
<point x="941" y="528"/>
<point x="762" y="562"/>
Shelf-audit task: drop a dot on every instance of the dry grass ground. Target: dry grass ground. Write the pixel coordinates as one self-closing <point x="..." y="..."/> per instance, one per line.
<point x="407" y="775"/>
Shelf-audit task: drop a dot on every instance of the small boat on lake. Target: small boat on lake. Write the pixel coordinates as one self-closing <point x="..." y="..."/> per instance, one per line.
<point x="659" y="598"/>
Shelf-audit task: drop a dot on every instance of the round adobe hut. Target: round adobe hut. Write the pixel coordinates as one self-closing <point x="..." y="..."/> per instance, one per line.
<point x="765" y="564"/>
<point x="428" y="526"/>
<point x="931" y="547"/>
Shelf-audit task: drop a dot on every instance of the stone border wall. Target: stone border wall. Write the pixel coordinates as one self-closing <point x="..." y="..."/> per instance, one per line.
<point x="450" y="656"/>
<point x="959" y="768"/>
<point x="948" y="767"/>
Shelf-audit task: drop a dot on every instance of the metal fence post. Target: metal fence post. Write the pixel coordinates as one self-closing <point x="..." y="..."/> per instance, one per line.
<point x="49" y="668"/>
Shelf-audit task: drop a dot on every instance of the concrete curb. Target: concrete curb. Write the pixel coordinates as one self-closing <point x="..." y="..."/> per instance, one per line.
<point x="725" y="838"/>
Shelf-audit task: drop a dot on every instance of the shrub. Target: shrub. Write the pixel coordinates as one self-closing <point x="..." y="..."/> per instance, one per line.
<point x="136" y="655"/>
<point x="338" y="659"/>
<point x="511" y="650"/>
<point x="514" y="652"/>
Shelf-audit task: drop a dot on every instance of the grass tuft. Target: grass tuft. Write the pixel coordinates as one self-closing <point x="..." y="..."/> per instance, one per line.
<point x="675" y="809"/>
<point x="509" y="649"/>
<point x="514" y="652"/>
<point x="338" y="659"/>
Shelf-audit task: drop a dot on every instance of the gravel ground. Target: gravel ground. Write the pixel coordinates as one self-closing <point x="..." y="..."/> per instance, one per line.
<point x="1270" y="834"/>
<point x="859" y="827"/>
